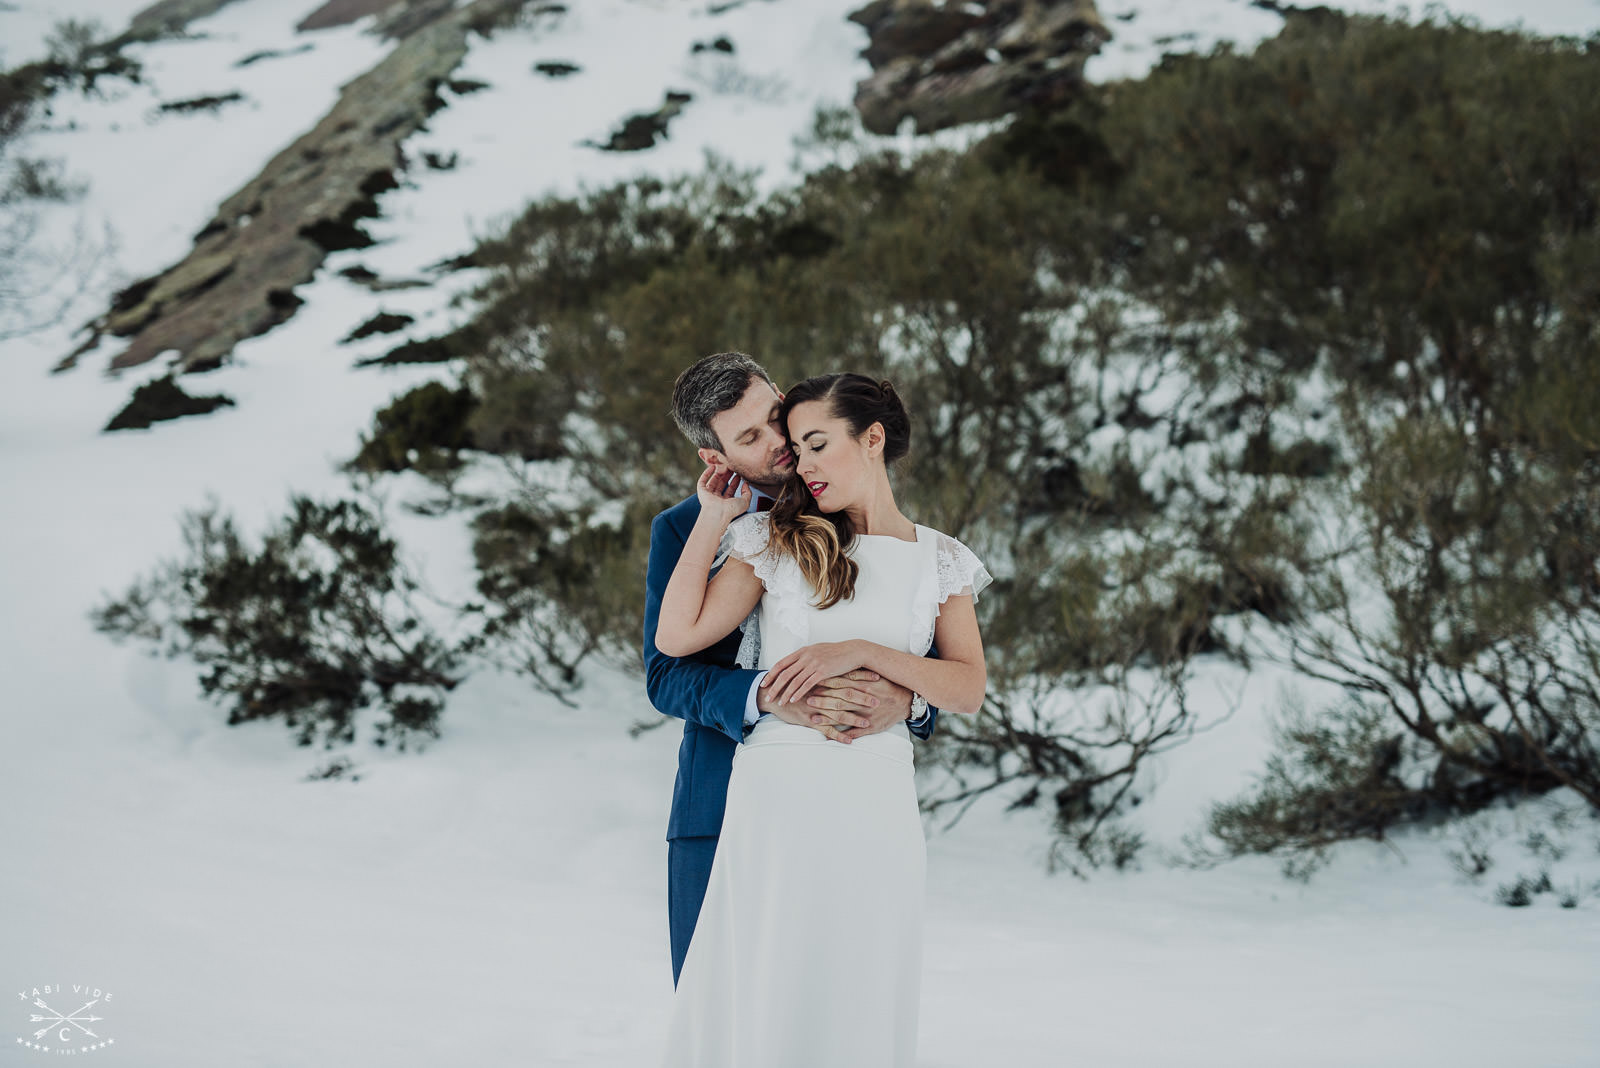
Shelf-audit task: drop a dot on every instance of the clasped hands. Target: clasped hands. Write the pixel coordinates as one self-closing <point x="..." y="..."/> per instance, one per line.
<point x="824" y="687"/>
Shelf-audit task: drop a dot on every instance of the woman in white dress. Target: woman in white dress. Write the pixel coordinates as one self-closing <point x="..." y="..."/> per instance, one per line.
<point x="808" y="949"/>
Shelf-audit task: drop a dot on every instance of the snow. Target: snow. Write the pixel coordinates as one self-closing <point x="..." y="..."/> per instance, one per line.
<point x="501" y="897"/>
<point x="28" y="23"/>
<point x="155" y="179"/>
<point x="1144" y="29"/>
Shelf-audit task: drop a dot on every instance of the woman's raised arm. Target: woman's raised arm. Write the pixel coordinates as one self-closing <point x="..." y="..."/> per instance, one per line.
<point x="696" y="614"/>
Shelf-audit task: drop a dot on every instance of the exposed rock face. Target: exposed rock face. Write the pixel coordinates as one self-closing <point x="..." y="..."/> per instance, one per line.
<point x="340" y="13"/>
<point x="401" y="18"/>
<point x="169" y="17"/>
<point x="406" y="19"/>
<point x="273" y="234"/>
<point x="946" y="63"/>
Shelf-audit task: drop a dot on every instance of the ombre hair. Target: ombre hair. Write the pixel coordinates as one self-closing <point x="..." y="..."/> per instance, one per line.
<point x="820" y="541"/>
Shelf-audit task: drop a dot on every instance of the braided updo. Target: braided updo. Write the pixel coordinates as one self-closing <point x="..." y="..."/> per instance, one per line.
<point x="819" y="541"/>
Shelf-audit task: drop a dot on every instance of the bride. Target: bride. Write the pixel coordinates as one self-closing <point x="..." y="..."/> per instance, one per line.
<point x="808" y="950"/>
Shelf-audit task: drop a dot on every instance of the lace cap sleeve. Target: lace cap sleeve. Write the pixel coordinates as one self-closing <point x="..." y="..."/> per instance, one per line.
<point x="747" y="538"/>
<point x="953" y="571"/>
<point x="960" y="571"/>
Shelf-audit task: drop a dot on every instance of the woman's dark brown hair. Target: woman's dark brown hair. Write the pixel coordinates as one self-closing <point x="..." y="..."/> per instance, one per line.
<point x="819" y="541"/>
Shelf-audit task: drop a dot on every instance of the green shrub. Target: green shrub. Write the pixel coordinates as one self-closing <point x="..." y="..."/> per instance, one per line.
<point x="163" y="399"/>
<point x="1331" y="777"/>
<point x="311" y="628"/>
<point x="425" y="428"/>
<point x="381" y="323"/>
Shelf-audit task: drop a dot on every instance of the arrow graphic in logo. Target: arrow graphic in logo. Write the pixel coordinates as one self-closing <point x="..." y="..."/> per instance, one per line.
<point x="60" y="1019"/>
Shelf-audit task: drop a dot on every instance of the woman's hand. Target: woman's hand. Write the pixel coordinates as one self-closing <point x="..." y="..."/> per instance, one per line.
<point x="792" y="677"/>
<point x="724" y="496"/>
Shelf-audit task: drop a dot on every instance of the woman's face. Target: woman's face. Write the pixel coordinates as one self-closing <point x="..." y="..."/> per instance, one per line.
<point x="835" y="467"/>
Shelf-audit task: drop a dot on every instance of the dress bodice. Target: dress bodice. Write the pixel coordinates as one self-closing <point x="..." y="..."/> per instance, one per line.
<point x="900" y="586"/>
<point x="886" y="586"/>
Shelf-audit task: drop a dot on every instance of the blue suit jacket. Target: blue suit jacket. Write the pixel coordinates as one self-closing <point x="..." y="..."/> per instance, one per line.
<point x="704" y="690"/>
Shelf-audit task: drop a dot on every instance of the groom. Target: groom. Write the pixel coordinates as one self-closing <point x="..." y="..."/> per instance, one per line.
<point x="727" y="406"/>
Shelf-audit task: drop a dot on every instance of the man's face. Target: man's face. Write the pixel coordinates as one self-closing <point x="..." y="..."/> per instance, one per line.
<point x="754" y="444"/>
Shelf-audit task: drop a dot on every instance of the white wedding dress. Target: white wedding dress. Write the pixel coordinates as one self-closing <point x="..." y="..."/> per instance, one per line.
<point x="808" y="949"/>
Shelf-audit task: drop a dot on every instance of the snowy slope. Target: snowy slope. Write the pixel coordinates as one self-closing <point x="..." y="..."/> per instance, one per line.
<point x="501" y="898"/>
<point x="28" y="23"/>
<point x="1146" y="28"/>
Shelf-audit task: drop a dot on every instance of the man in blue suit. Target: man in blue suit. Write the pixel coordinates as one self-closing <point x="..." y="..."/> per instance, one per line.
<point x="727" y="405"/>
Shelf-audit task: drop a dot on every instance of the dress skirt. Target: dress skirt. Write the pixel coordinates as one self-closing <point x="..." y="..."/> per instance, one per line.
<point x="808" y="950"/>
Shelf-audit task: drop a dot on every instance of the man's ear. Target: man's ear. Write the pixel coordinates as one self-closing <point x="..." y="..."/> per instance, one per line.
<point x="713" y="458"/>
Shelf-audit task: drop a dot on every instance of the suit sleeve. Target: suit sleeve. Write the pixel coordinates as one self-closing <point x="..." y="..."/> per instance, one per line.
<point x="687" y="687"/>
<point x="924" y="730"/>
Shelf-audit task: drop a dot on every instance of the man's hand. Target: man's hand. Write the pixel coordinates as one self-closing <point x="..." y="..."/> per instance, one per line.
<point x="872" y="702"/>
<point x="798" y="673"/>
<point x="845" y="707"/>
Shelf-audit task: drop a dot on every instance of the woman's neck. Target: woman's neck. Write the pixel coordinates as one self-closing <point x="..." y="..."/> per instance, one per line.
<point x="878" y="514"/>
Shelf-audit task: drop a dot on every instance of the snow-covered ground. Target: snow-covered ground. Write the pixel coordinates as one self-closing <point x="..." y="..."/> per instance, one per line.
<point x="501" y="897"/>
<point x="1144" y="29"/>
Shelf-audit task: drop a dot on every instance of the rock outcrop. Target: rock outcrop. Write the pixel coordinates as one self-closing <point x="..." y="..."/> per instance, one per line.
<point x="341" y="13"/>
<point x="272" y="235"/>
<point x="943" y="62"/>
<point x="168" y="18"/>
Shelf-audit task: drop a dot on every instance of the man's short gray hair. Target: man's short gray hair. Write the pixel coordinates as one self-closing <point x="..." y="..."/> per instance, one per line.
<point x="710" y="387"/>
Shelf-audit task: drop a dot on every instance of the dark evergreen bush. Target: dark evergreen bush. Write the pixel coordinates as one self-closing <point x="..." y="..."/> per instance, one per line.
<point x="212" y="103"/>
<point x="1401" y="209"/>
<point x="558" y="588"/>
<point x="381" y="323"/>
<point x="311" y="628"/>
<point x="424" y="428"/>
<point x="1520" y="894"/>
<point x="163" y="399"/>
<point x="1331" y="778"/>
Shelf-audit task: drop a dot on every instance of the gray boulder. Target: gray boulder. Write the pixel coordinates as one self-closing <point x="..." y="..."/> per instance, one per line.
<point x="944" y="64"/>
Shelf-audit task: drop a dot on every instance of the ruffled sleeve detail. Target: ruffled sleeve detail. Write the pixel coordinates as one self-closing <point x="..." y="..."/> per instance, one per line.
<point x="749" y="538"/>
<point x="961" y="573"/>
<point x="953" y="571"/>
